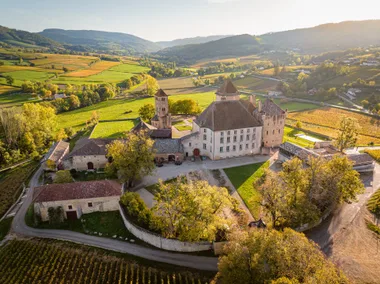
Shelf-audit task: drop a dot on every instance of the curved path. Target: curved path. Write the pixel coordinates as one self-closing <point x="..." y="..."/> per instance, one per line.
<point x="20" y="228"/>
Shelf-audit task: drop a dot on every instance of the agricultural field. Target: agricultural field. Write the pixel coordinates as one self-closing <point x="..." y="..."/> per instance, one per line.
<point x="250" y="59"/>
<point x="107" y="76"/>
<point x="112" y="129"/>
<point x="6" y="89"/>
<point x="130" y="68"/>
<point x="326" y="121"/>
<point x="13" y="99"/>
<point x="21" y="76"/>
<point x="375" y="154"/>
<point x="12" y="68"/>
<point x="48" y="261"/>
<point x="71" y="62"/>
<point x="289" y="69"/>
<point x="290" y="135"/>
<point x="11" y="184"/>
<point x="243" y="179"/>
<point x="121" y="109"/>
<point x="364" y="72"/>
<point x="95" y="68"/>
<point x="256" y="84"/>
<point x="176" y="85"/>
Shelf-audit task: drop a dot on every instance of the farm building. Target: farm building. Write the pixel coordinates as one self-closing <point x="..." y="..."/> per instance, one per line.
<point x="88" y="154"/>
<point x="55" y="155"/>
<point x="77" y="198"/>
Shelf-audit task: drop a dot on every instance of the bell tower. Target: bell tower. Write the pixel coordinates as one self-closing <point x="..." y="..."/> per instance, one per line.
<point x="162" y="118"/>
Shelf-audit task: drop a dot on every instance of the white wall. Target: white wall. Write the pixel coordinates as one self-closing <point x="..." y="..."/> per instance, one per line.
<point x="161" y="242"/>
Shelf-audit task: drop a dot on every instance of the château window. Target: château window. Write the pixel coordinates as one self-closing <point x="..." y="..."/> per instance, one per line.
<point x="221" y="140"/>
<point x="204" y="137"/>
<point x="248" y="130"/>
<point x="242" y="131"/>
<point x="279" y="131"/>
<point x="235" y="131"/>
<point x="253" y="145"/>
<point x="70" y="207"/>
<point x="247" y="137"/>
<point x="221" y="149"/>
<point x="228" y="139"/>
<point x="246" y="146"/>
<point x="204" y="130"/>
<point x="221" y="133"/>
<point x="267" y="132"/>
<point x="240" y="147"/>
<point x="273" y="131"/>
<point x="228" y="132"/>
<point x="228" y="148"/>
<point x="189" y="144"/>
<point x="89" y="204"/>
<point x="234" y="148"/>
<point x="253" y="136"/>
<point x="163" y="109"/>
<point x="241" y="138"/>
<point x="235" y="138"/>
<point x="204" y="146"/>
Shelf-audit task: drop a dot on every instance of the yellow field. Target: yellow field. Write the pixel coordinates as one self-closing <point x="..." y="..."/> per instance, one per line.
<point x="11" y="68"/>
<point x="326" y="121"/>
<point x="270" y="71"/>
<point x="4" y="88"/>
<point x="254" y="59"/>
<point x="95" y="68"/>
<point x="256" y="84"/>
<point x="72" y="62"/>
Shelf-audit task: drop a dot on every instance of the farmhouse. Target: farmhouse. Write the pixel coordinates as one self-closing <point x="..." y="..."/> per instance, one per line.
<point x="88" y="154"/>
<point x="77" y="198"/>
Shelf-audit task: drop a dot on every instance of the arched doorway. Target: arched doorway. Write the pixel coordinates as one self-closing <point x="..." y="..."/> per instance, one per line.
<point x="196" y="152"/>
<point x="171" y="158"/>
<point x="90" y="165"/>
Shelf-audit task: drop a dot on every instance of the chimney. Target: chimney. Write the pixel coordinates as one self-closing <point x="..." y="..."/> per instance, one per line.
<point x="259" y="106"/>
<point x="252" y="100"/>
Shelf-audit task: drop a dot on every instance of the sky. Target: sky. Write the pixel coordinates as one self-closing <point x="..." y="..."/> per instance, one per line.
<point x="159" y="20"/>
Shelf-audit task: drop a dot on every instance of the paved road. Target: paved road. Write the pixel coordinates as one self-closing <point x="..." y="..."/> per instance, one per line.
<point x="20" y="228"/>
<point x="342" y="218"/>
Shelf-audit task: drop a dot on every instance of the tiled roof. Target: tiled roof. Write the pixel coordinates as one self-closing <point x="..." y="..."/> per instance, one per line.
<point x="298" y="151"/>
<point x="168" y="146"/>
<point x="269" y="107"/>
<point x="142" y="126"/>
<point x="160" y="133"/>
<point x="227" y="88"/>
<point x="360" y="159"/>
<point x="76" y="190"/>
<point x="58" y="150"/>
<point x="160" y="93"/>
<point x="155" y="117"/>
<point x="88" y="147"/>
<point x="227" y="115"/>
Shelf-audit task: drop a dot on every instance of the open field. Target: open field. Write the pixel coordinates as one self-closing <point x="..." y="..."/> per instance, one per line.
<point x="11" y="68"/>
<point x="21" y="76"/>
<point x="243" y="179"/>
<point x="364" y="72"/>
<point x="95" y="68"/>
<point x="375" y="154"/>
<point x="252" y="59"/>
<point x="5" y="89"/>
<point x="326" y="121"/>
<point x="130" y="68"/>
<point x="48" y="261"/>
<point x="13" y="99"/>
<point x="71" y="62"/>
<point x="290" y="136"/>
<point x="11" y="183"/>
<point x="112" y="129"/>
<point x="103" y="77"/>
<point x="256" y="84"/>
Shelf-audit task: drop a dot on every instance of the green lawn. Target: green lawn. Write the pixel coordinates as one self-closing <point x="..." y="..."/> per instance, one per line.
<point x="113" y="129"/>
<point x="21" y="76"/>
<point x="107" y="76"/>
<point x="183" y="127"/>
<point x="117" y="109"/>
<point x="13" y="99"/>
<point x="130" y="68"/>
<point x="5" y="226"/>
<point x="243" y="179"/>
<point x="289" y="136"/>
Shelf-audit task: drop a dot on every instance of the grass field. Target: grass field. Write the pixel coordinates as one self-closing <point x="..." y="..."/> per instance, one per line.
<point x="113" y="129"/>
<point x="6" y="89"/>
<point x="95" y="68"/>
<point x="103" y="77"/>
<point x="130" y="68"/>
<point x="256" y="84"/>
<point x="363" y="72"/>
<point x="21" y="76"/>
<point x="243" y="179"/>
<point x="12" y="68"/>
<point x="116" y="109"/>
<point x="290" y="136"/>
<point x="326" y="121"/>
<point x="71" y="62"/>
<point x="14" y="99"/>
<point x="375" y="154"/>
<point x="50" y="261"/>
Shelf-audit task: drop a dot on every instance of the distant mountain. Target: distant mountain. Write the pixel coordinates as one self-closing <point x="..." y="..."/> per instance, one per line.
<point x="25" y="39"/>
<point x="190" y="40"/>
<point x="100" y="41"/>
<point x="327" y="37"/>
<point x="231" y="46"/>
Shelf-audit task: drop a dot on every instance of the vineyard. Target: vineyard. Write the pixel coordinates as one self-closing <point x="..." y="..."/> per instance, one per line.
<point x="95" y="68"/>
<point x="326" y="121"/>
<point x="11" y="185"/>
<point x="37" y="261"/>
<point x="375" y="154"/>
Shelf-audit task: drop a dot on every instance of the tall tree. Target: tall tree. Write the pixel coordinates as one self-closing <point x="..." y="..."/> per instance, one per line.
<point x="262" y="256"/>
<point x="146" y="112"/>
<point x="190" y="211"/>
<point x="348" y="133"/>
<point x="9" y="80"/>
<point x="132" y="157"/>
<point x="151" y="86"/>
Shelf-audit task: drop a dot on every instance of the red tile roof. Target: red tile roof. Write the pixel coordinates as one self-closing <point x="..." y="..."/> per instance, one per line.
<point x="160" y="93"/>
<point x="76" y="190"/>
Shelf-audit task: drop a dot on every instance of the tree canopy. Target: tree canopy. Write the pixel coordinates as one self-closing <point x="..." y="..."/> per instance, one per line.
<point x="146" y="112"/>
<point x="348" y="133"/>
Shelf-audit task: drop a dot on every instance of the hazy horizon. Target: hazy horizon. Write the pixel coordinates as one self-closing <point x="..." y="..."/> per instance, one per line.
<point x="170" y="19"/>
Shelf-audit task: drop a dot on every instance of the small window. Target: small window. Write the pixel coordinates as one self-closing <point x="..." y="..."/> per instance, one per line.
<point x="204" y="137"/>
<point x="221" y="133"/>
<point x="247" y="137"/>
<point x="279" y="131"/>
<point x="204" y="146"/>
<point x="246" y="146"/>
<point x="89" y="204"/>
<point x="253" y="136"/>
<point x="242" y="131"/>
<point x="241" y="138"/>
<point x="253" y="145"/>
<point x="204" y="130"/>
<point x="70" y="207"/>
<point x="248" y="130"/>
<point x="267" y="132"/>
<point x="234" y="148"/>
<point x="228" y="132"/>
<point x="228" y="139"/>
<point x="273" y="131"/>
<point x="189" y="144"/>
<point x="210" y="149"/>
<point x="240" y="147"/>
<point x="221" y="140"/>
<point x="221" y="149"/>
<point x="235" y="138"/>
<point x="235" y="131"/>
<point x="228" y="148"/>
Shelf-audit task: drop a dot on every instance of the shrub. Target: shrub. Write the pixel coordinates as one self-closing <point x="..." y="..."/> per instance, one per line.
<point x="136" y="208"/>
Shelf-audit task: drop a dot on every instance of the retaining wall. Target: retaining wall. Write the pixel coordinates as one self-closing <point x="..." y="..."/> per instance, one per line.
<point x="161" y="242"/>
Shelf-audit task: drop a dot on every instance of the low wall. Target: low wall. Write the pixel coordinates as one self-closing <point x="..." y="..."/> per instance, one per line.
<point x="161" y="242"/>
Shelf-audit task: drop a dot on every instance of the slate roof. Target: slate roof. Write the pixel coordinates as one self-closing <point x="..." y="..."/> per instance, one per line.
<point x="228" y="88"/>
<point x="295" y="150"/>
<point x="361" y="159"/>
<point x="160" y="93"/>
<point x="155" y="118"/>
<point x="58" y="150"/>
<point x="269" y="107"/>
<point x="168" y="146"/>
<point x="160" y="133"/>
<point x="88" y="147"/>
<point x="227" y="115"/>
<point x="142" y="126"/>
<point x="76" y="190"/>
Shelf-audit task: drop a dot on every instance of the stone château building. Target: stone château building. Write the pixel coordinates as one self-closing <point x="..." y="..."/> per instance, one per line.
<point x="162" y="118"/>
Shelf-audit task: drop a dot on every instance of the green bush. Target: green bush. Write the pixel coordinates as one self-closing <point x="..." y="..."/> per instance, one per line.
<point x="136" y="208"/>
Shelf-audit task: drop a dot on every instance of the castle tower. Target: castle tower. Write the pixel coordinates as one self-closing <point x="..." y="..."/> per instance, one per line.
<point x="162" y="118"/>
<point x="227" y="92"/>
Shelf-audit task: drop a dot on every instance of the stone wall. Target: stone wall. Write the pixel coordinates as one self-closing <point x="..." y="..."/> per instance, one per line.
<point x="161" y="242"/>
<point x="80" y="163"/>
<point x="273" y="130"/>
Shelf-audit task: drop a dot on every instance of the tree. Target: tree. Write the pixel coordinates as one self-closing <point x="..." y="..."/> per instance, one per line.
<point x="146" y="112"/>
<point x="9" y="80"/>
<point x="276" y="70"/>
<point x="365" y="103"/>
<point x="94" y="119"/>
<point x="65" y="69"/>
<point x="133" y="157"/>
<point x="348" y="133"/>
<point x="190" y="211"/>
<point x="262" y="256"/>
<point x="299" y="124"/>
<point x="61" y="134"/>
<point x="151" y="86"/>
<point x="63" y="177"/>
<point x="74" y="102"/>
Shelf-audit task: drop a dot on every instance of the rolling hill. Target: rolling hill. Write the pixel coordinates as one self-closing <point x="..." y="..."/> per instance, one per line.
<point x="190" y="40"/>
<point x="100" y="41"/>
<point x="231" y="46"/>
<point x="25" y="39"/>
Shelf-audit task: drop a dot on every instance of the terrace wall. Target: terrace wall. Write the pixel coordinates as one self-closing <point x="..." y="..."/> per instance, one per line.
<point x="161" y="242"/>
